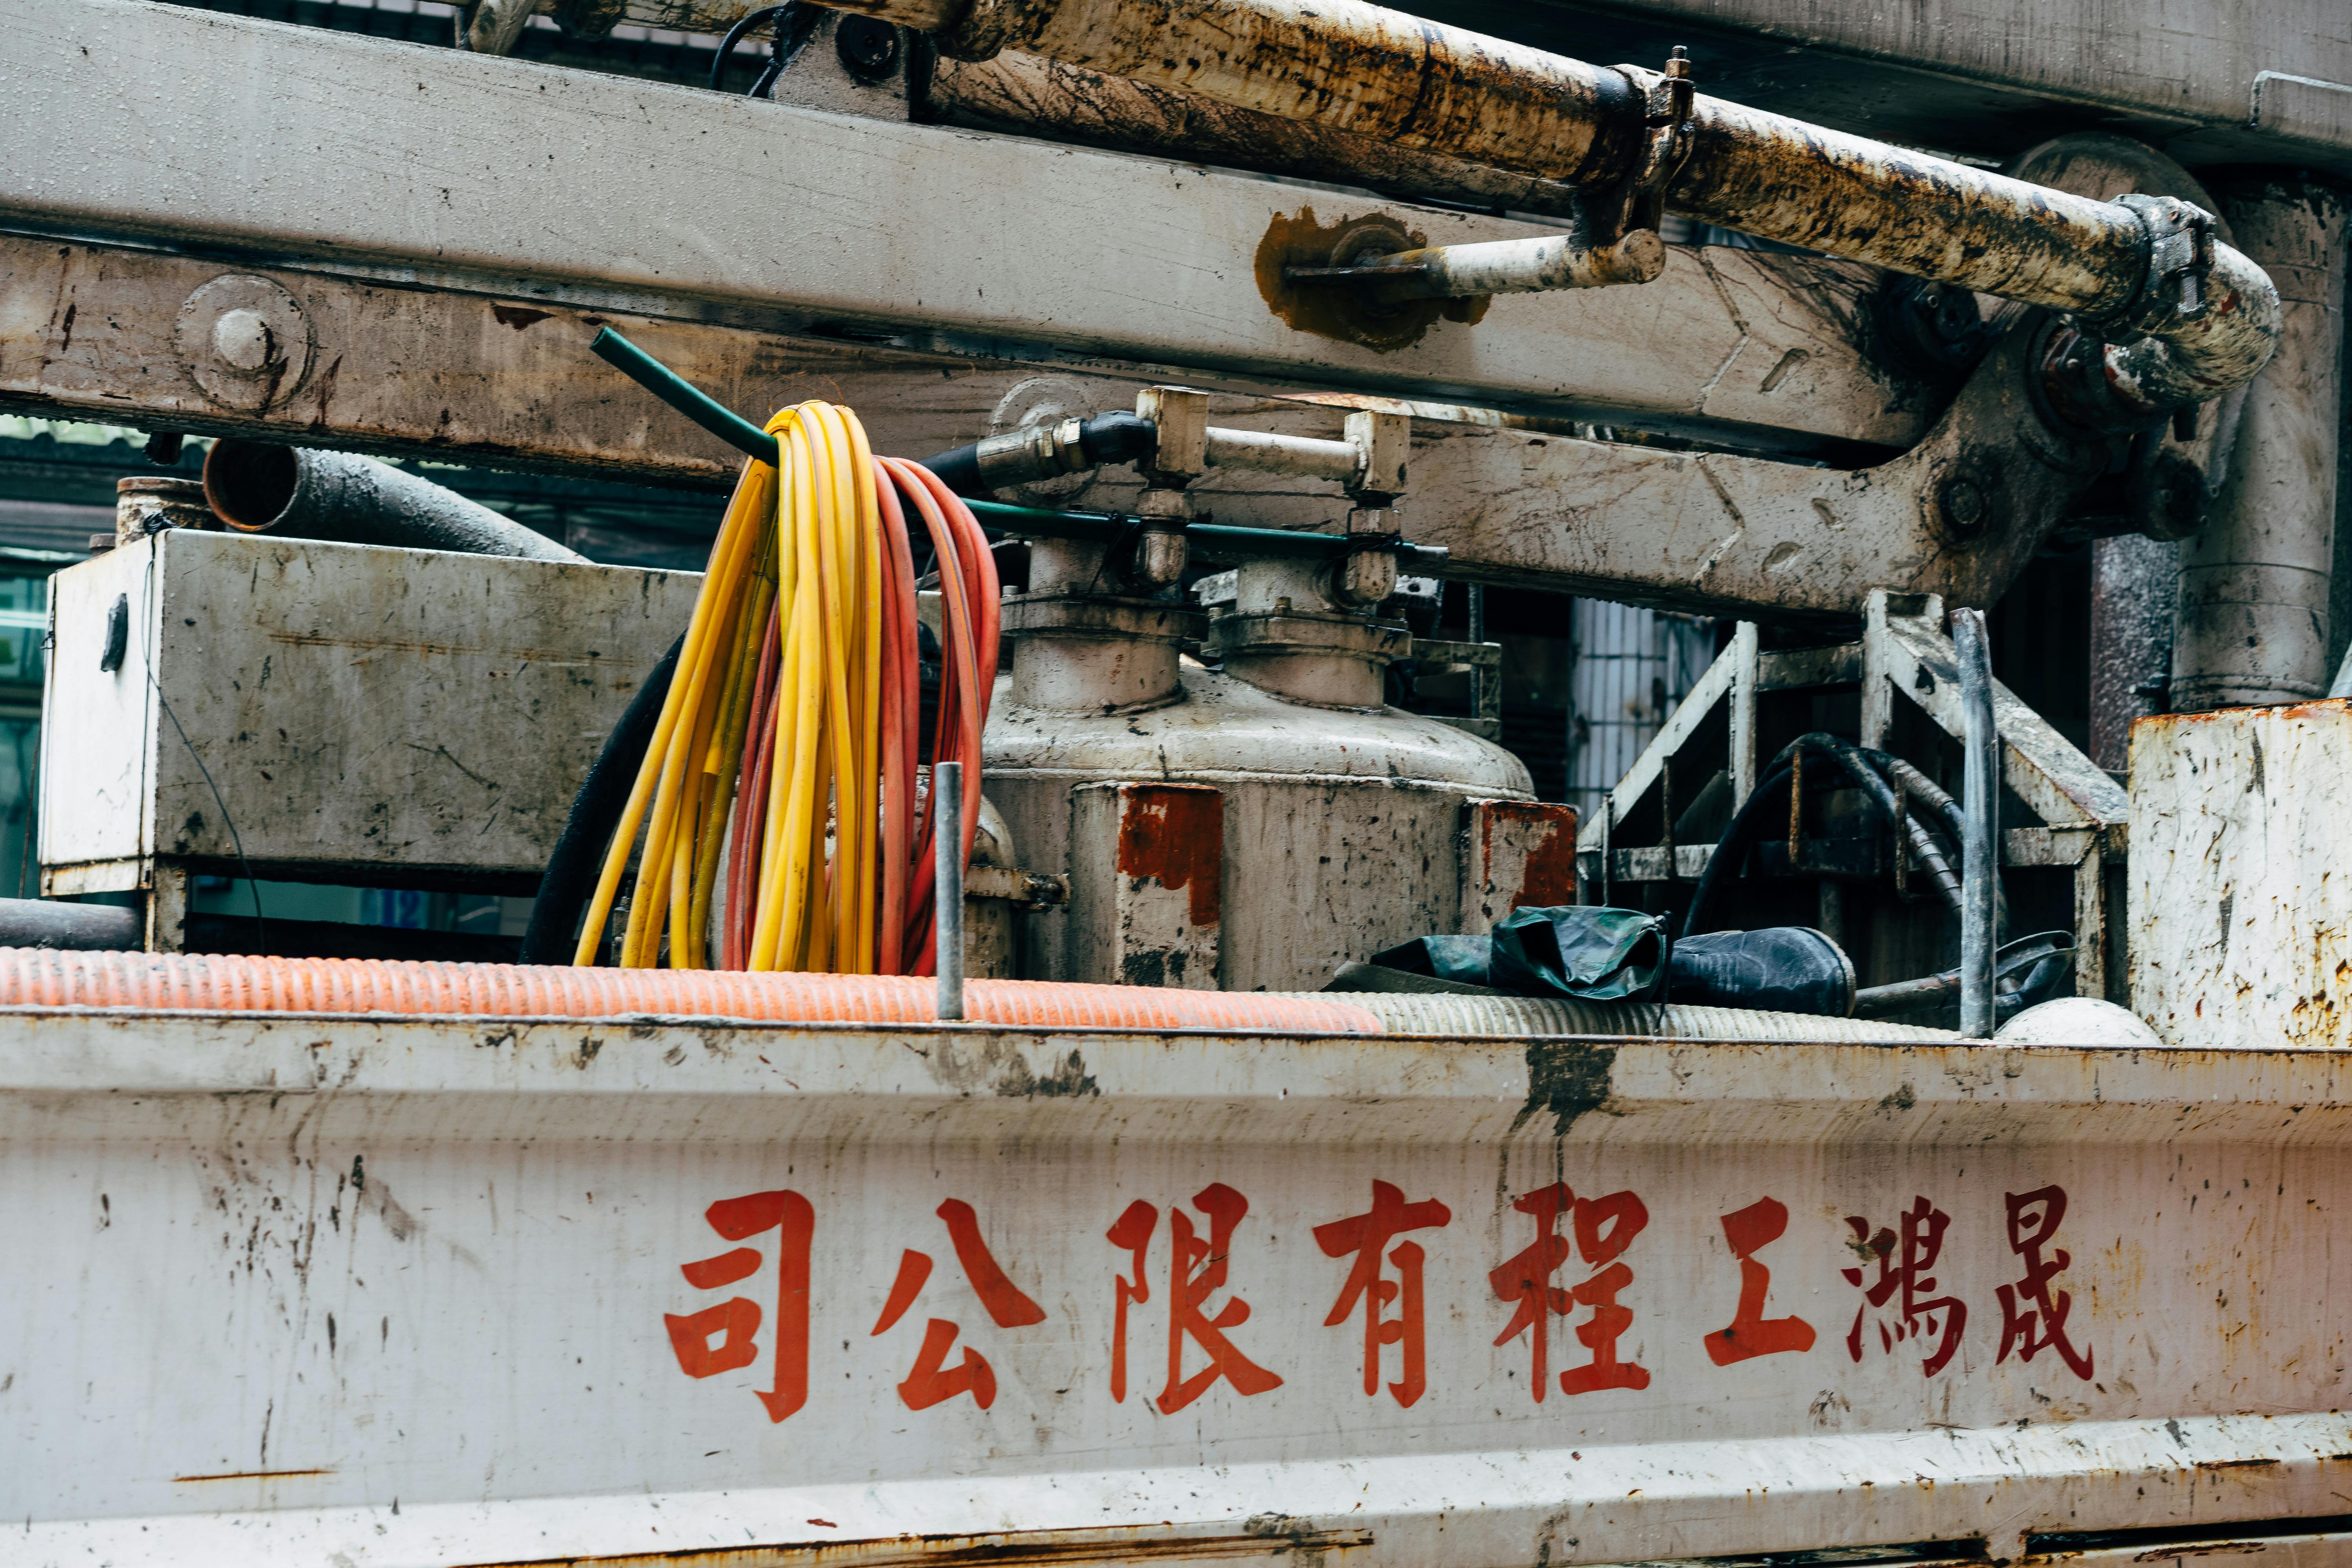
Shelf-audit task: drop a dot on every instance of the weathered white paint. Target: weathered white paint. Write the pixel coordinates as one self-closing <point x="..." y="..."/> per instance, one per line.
<point x="369" y="157"/>
<point x="354" y="706"/>
<point x="2240" y="907"/>
<point x="341" y="1263"/>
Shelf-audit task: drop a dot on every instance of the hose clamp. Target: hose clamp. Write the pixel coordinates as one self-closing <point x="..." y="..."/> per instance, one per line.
<point x="1639" y="201"/>
<point x="2179" y="259"/>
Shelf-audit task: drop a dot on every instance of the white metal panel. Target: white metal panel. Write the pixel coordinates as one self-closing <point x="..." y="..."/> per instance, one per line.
<point x="304" y="705"/>
<point x="95" y="773"/>
<point x="267" y="1275"/>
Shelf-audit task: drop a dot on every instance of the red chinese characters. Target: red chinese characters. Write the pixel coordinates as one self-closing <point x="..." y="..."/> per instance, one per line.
<point x="1197" y="1268"/>
<point x="2042" y="1324"/>
<point x="932" y="1380"/>
<point x="1367" y="1235"/>
<point x="1603" y="1229"/>
<point x="1751" y="1333"/>
<point x="737" y="1320"/>
<point x="1903" y="1278"/>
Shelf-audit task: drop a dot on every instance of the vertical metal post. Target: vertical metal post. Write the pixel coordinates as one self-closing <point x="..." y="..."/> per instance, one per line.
<point x="1980" y="822"/>
<point x="1474" y="595"/>
<point x="947" y="864"/>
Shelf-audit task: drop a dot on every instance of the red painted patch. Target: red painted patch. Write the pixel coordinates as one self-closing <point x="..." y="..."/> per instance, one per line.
<point x="1175" y="834"/>
<point x="1548" y="878"/>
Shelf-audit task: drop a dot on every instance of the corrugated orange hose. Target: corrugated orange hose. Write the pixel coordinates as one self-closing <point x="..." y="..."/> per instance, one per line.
<point x="43" y="977"/>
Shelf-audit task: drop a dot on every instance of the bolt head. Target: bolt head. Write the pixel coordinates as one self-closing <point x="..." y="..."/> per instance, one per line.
<point x="1965" y="505"/>
<point x="243" y="341"/>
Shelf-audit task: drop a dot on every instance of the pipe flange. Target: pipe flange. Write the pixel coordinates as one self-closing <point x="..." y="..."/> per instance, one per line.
<point x="1100" y="615"/>
<point x="248" y="342"/>
<point x="1382" y="642"/>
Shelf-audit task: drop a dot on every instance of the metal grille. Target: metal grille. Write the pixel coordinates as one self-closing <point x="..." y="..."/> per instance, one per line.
<point x="1632" y="667"/>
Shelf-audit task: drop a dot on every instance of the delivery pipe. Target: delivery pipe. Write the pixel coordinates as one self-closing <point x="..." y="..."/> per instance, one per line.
<point x="2254" y="582"/>
<point x="257" y="488"/>
<point x="2181" y="318"/>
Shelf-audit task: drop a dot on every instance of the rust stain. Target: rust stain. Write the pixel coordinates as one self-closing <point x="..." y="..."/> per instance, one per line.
<point x="1044" y="1547"/>
<point x="519" y="317"/>
<point x="1302" y="240"/>
<point x="253" y="1476"/>
<point x="1548" y="876"/>
<point x="1175" y="834"/>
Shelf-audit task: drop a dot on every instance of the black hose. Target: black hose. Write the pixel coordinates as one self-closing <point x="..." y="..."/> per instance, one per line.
<point x="579" y="857"/>
<point x="957" y="467"/>
<point x="780" y="53"/>
<point x="1105" y="441"/>
<point x="89" y="928"/>
<point x="1857" y="766"/>
<point x="1108" y="439"/>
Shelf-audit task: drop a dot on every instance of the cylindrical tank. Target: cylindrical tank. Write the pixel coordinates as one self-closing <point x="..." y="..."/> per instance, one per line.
<point x="1340" y="825"/>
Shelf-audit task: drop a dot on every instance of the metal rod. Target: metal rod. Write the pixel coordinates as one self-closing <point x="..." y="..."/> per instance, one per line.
<point x="1211" y="539"/>
<point x="1980" y="815"/>
<point x="1496" y="267"/>
<point x="947" y="861"/>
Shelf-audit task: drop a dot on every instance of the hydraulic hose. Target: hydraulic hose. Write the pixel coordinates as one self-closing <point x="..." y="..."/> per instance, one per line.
<point x="977" y="470"/>
<point x="1217" y="541"/>
<point x="1857" y="766"/>
<point x="570" y="875"/>
<point x="39" y="978"/>
<point x="785" y="749"/>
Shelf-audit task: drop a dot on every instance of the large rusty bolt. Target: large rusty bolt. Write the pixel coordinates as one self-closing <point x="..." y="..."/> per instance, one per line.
<point x="1964" y="506"/>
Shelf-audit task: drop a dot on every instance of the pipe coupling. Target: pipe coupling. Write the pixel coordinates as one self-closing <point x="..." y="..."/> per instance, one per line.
<point x="2203" y="322"/>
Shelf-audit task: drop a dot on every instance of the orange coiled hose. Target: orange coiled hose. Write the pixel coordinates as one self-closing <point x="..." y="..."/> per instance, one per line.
<point x="787" y="756"/>
<point x="44" y="977"/>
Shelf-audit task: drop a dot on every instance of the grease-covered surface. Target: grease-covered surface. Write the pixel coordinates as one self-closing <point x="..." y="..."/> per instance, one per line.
<point x="592" y="204"/>
<point x="384" y="1291"/>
